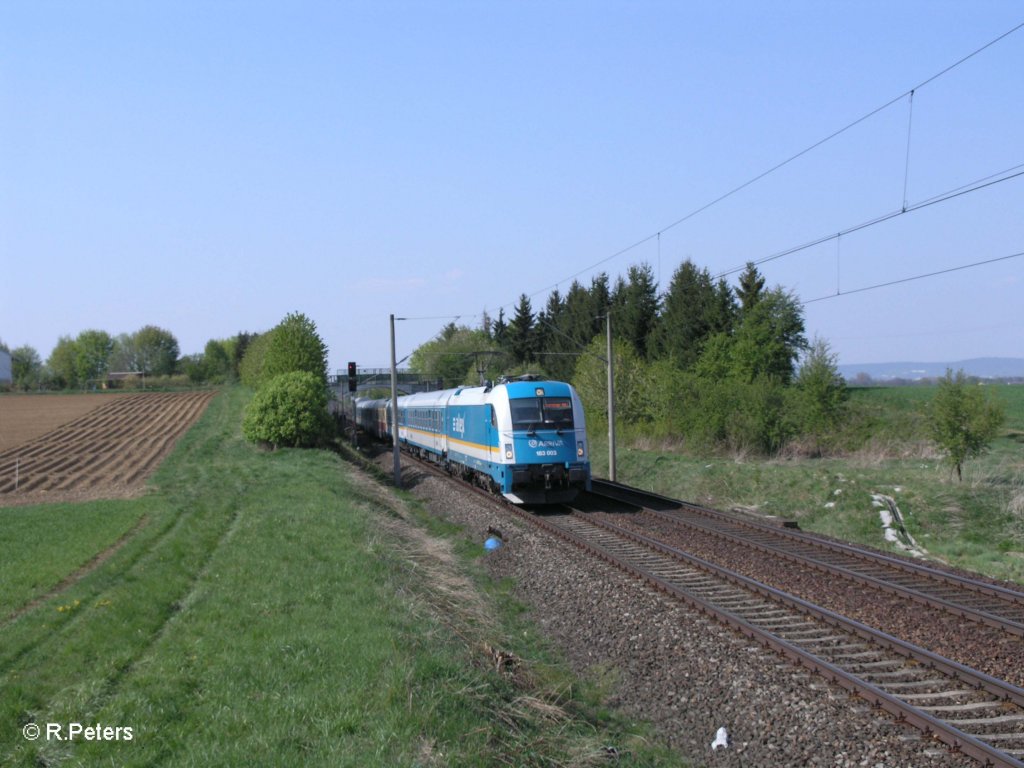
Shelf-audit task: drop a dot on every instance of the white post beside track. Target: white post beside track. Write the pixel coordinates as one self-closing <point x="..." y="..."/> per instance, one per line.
<point x="394" y="409"/>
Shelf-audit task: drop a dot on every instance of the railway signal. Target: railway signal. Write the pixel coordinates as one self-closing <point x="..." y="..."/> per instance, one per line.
<point x="352" y="383"/>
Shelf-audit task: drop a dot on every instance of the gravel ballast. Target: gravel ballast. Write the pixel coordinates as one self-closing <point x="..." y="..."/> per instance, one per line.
<point x="671" y="666"/>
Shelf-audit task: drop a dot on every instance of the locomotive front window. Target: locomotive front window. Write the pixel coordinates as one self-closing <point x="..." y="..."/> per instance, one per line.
<point x="531" y="413"/>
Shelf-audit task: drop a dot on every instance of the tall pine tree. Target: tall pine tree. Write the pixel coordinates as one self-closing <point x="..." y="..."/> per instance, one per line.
<point x="694" y="308"/>
<point x="751" y="288"/>
<point x="635" y="306"/>
<point x="521" y="332"/>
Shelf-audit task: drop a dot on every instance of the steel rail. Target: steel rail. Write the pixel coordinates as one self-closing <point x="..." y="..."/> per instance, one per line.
<point x="954" y="669"/>
<point x="958" y="609"/>
<point x="1004" y="594"/>
<point x="903" y="711"/>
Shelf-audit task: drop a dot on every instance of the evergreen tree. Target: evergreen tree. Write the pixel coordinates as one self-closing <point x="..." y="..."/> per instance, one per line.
<point x="545" y="334"/>
<point x="751" y="288"/>
<point x="769" y="339"/>
<point x="694" y="309"/>
<point x="600" y="301"/>
<point x="521" y="330"/>
<point x="635" y="307"/>
<point x="499" y="331"/>
<point x="576" y="315"/>
<point x="820" y="393"/>
<point x="723" y="312"/>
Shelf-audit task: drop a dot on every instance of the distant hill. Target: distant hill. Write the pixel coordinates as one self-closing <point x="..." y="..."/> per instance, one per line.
<point x="983" y="367"/>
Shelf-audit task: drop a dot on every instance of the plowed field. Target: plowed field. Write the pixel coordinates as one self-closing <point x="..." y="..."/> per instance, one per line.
<point x="107" y="452"/>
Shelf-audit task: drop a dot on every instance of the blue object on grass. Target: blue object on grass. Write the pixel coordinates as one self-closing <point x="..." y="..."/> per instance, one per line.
<point x="492" y="543"/>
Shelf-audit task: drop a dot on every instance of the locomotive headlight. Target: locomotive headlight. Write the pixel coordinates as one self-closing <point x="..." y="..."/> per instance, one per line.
<point x="579" y="449"/>
<point x="508" y="451"/>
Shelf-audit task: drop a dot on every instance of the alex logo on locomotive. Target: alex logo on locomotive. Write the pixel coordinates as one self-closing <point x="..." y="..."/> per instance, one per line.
<point x="546" y="448"/>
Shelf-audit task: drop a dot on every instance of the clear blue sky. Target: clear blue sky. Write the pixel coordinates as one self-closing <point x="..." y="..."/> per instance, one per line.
<point x="208" y="167"/>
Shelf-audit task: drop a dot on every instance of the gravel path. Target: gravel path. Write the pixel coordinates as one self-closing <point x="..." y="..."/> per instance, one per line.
<point x="675" y="668"/>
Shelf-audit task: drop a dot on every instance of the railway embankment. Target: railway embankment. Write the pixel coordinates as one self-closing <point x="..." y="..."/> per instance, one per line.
<point x="672" y="666"/>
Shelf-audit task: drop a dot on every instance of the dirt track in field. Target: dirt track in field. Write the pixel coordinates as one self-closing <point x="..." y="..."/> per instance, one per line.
<point x="107" y="452"/>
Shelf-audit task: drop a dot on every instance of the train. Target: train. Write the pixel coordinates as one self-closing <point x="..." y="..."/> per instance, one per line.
<point x="524" y="438"/>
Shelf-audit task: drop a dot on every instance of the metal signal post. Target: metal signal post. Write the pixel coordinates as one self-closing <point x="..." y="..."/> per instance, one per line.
<point x="611" y="400"/>
<point x="394" y="409"/>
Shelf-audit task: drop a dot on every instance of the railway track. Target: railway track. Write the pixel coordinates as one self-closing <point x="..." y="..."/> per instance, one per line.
<point x="978" y="601"/>
<point x="972" y="712"/>
<point x="969" y="711"/>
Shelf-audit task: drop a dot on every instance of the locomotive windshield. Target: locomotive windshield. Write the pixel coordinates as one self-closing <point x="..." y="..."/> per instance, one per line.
<point x="531" y="413"/>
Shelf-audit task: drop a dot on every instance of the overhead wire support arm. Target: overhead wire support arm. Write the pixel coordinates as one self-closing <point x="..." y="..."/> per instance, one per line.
<point x="906" y="167"/>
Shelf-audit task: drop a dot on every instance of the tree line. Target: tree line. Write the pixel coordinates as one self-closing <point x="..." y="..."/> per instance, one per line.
<point x="94" y="357"/>
<point x="286" y="366"/>
<point x="705" y="364"/>
<point x="705" y="361"/>
<point x="698" y="324"/>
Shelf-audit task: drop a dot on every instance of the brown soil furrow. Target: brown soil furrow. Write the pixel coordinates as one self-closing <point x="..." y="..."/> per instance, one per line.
<point x="26" y="417"/>
<point x="87" y="467"/>
<point x="114" y="446"/>
<point x="33" y="483"/>
<point x="31" y="473"/>
<point x="26" y="451"/>
<point x="171" y="413"/>
<point x="159" y="448"/>
<point x="120" y="471"/>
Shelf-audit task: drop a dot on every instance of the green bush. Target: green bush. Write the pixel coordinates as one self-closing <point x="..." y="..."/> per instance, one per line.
<point x="289" y="410"/>
<point x="250" y="370"/>
<point x="819" y="398"/>
<point x="963" y="420"/>
<point x="722" y="413"/>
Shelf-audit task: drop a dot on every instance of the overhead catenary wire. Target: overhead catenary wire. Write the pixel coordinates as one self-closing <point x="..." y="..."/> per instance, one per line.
<point x="904" y="209"/>
<point x="915" y="277"/>
<point x="778" y="166"/>
<point x="974" y="186"/>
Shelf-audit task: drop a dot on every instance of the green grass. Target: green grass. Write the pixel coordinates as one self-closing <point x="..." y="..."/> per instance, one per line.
<point x="977" y="524"/>
<point x="42" y="546"/>
<point x="273" y="611"/>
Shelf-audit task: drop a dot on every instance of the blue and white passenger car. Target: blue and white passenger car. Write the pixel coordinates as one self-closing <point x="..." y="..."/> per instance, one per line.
<point x="524" y="439"/>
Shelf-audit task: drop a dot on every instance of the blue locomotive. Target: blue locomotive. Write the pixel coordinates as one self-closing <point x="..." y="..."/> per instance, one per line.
<point x="525" y="438"/>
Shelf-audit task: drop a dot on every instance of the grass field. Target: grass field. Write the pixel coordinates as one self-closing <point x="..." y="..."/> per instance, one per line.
<point x="272" y="609"/>
<point x="977" y="524"/>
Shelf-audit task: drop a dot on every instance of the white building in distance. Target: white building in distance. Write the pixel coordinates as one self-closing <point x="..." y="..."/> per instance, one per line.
<point x="5" y="367"/>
